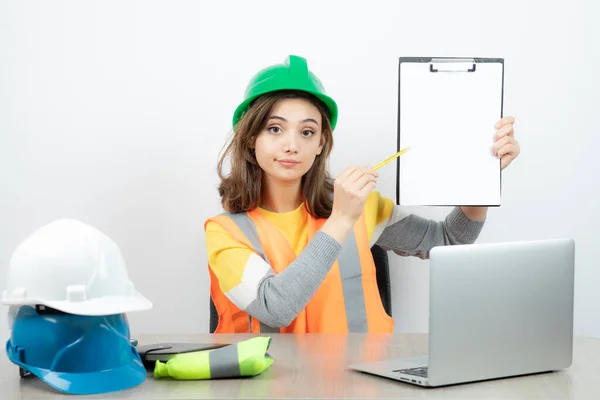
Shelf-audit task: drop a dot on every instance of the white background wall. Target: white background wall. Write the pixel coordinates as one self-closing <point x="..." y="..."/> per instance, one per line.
<point x="113" y="112"/>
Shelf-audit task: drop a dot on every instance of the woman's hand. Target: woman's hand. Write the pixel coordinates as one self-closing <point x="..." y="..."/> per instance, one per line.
<point x="350" y="192"/>
<point x="506" y="147"/>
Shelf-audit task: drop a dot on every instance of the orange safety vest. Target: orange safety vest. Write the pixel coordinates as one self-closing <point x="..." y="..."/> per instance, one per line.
<point x="348" y="299"/>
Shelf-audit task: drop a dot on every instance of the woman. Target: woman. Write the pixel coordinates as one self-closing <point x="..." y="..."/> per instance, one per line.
<point x="292" y="251"/>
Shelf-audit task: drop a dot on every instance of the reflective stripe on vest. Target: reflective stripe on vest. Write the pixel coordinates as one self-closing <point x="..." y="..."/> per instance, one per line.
<point x="248" y="228"/>
<point x="354" y="297"/>
<point x="246" y="225"/>
<point x="225" y="363"/>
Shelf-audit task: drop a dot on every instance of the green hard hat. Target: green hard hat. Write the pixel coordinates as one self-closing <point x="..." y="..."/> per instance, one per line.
<point x="293" y="74"/>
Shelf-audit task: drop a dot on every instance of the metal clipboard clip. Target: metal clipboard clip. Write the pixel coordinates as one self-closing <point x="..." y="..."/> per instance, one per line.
<point x="452" y="65"/>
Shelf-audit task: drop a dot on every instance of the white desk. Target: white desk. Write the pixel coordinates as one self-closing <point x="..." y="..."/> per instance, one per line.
<point x="314" y="366"/>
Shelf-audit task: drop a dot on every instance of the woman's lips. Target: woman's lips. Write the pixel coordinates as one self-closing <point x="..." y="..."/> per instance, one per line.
<point x="288" y="163"/>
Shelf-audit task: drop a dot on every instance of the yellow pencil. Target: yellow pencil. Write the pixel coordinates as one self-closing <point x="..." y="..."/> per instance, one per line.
<point x="392" y="158"/>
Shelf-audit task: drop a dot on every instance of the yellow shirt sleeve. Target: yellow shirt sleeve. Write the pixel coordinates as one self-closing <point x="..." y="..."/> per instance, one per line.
<point x="226" y="256"/>
<point x="378" y="211"/>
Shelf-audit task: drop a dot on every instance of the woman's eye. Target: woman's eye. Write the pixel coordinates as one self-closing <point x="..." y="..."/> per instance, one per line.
<point x="274" y="129"/>
<point x="307" y="133"/>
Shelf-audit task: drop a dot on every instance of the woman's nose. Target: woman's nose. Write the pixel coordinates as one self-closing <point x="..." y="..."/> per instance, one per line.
<point x="291" y="145"/>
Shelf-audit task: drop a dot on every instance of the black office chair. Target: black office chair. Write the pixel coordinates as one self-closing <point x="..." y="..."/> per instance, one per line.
<point x="382" y="270"/>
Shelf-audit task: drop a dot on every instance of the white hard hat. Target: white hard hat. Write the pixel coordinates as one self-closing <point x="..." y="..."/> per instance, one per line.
<point x="72" y="267"/>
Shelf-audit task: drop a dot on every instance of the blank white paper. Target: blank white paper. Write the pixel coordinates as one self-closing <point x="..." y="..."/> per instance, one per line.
<point x="447" y="119"/>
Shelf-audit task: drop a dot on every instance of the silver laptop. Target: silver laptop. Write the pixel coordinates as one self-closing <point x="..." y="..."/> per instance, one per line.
<point x="495" y="311"/>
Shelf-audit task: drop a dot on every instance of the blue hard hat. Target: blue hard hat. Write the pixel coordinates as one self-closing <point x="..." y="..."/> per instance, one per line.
<point x="75" y="354"/>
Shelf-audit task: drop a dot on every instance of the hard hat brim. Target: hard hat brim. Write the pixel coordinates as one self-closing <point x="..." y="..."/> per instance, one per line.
<point x="107" y="305"/>
<point x="111" y="380"/>
<point x="329" y="103"/>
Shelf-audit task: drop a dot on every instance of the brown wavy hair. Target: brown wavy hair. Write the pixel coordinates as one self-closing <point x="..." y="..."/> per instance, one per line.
<point x="241" y="189"/>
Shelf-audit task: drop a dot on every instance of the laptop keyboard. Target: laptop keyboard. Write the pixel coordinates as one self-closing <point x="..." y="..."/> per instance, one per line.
<point x="420" y="371"/>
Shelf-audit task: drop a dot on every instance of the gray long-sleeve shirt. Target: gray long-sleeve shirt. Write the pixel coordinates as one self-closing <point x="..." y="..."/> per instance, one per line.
<point x="281" y="297"/>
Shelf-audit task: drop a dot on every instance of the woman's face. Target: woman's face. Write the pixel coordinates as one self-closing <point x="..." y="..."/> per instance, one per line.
<point x="291" y="140"/>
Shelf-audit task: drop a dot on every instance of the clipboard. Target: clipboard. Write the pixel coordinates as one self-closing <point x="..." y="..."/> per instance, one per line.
<point x="447" y="108"/>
